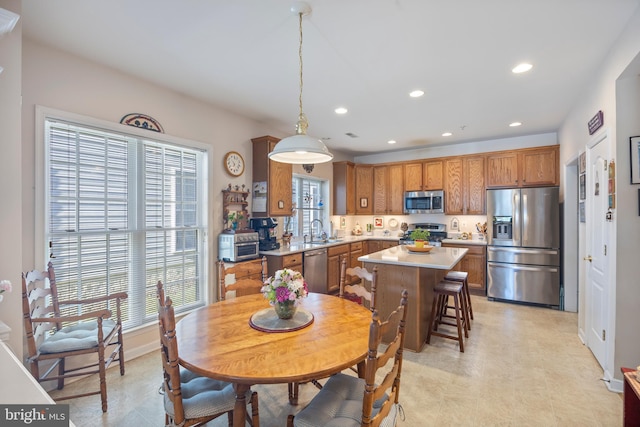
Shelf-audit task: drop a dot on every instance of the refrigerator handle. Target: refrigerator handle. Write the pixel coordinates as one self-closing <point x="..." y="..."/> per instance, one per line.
<point x="525" y="220"/>
<point x="516" y="217"/>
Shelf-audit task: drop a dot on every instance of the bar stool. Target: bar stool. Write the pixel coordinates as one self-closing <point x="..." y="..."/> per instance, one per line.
<point x="442" y="291"/>
<point x="462" y="277"/>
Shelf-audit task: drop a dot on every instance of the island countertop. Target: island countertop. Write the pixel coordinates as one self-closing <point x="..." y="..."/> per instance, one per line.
<point x="439" y="258"/>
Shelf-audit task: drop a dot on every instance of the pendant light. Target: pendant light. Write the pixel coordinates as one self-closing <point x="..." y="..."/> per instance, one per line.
<point x="300" y="148"/>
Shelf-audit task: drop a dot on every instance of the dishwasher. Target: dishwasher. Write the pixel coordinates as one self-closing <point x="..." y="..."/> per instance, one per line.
<point x="315" y="270"/>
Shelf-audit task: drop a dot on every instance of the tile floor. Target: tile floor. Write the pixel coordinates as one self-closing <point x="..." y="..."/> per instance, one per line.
<point x="522" y="366"/>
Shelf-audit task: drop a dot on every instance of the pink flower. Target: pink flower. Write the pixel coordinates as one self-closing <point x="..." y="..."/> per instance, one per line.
<point x="5" y="285"/>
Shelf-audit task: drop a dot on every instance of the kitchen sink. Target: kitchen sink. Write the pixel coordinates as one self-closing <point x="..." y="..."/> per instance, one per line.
<point x="323" y="242"/>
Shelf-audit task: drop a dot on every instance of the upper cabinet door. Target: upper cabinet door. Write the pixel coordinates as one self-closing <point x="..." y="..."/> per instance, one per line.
<point x="433" y="175"/>
<point x="453" y="194"/>
<point x="413" y="176"/>
<point x="540" y="167"/>
<point x="474" y="188"/>
<point x="502" y="169"/>
<point x="364" y="189"/>
<point x="395" y="190"/>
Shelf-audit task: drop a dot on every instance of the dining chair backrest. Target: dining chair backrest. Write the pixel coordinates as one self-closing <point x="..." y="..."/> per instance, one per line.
<point x="375" y="362"/>
<point x="249" y="278"/>
<point x="357" y="291"/>
<point x="169" y="354"/>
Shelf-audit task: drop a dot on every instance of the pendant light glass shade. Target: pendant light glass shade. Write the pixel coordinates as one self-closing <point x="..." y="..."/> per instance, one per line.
<point x="300" y="148"/>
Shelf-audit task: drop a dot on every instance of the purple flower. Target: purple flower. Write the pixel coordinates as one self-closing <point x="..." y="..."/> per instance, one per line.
<point x="283" y="294"/>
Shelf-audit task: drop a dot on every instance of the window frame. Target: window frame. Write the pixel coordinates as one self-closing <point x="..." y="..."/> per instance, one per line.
<point x="41" y="249"/>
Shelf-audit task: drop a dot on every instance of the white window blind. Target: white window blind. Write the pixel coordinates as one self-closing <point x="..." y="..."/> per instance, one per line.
<point x="307" y="198"/>
<point x="124" y="212"/>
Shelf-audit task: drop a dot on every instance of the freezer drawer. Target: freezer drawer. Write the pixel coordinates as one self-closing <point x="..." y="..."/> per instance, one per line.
<point x="529" y="256"/>
<point x="525" y="283"/>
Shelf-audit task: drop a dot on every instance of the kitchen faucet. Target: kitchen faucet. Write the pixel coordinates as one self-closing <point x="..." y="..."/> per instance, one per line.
<point x="311" y="228"/>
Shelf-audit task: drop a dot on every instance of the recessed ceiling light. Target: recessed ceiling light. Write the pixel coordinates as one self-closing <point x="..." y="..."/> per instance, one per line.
<point x="416" y="93"/>
<point x="341" y="110"/>
<point x="447" y="134"/>
<point x="522" y="68"/>
<point x="515" y="124"/>
<point x="391" y="141"/>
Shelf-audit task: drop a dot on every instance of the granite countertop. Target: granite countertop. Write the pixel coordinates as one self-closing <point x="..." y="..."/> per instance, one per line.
<point x="478" y="242"/>
<point x="438" y="258"/>
<point x="296" y="247"/>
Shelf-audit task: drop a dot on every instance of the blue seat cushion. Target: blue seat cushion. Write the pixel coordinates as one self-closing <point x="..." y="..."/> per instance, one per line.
<point x="202" y="396"/>
<point x="80" y="336"/>
<point x="339" y="404"/>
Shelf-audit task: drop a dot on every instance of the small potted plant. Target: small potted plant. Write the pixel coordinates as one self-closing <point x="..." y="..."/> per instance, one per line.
<point x="419" y="235"/>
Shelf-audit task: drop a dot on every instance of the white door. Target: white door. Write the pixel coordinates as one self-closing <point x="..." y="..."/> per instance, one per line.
<point x="597" y="270"/>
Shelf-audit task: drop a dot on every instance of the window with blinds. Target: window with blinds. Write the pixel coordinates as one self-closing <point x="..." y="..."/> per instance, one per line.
<point x="122" y="213"/>
<point x="307" y="198"/>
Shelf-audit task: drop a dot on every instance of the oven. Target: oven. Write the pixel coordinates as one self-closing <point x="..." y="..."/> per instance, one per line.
<point x="416" y="202"/>
<point x="438" y="232"/>
<point x="236" y="247"/>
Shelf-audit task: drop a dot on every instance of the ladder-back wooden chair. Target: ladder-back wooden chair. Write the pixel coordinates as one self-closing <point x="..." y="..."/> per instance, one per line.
<point x="53" y="338"/>
<point x="346" y="399"/>
<point x="191" y="399"/>
<point x="357" y="291"/>
<point x="249" y="278"/>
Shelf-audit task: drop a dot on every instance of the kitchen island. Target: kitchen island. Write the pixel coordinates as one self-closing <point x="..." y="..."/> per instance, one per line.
<point x="418" y="273"/>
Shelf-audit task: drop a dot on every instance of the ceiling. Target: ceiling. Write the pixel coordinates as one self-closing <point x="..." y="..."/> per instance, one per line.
<point x="365" y="55"/>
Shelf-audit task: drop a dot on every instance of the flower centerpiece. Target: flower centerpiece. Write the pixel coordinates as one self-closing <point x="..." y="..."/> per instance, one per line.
<point x="284" y="290"/>
<point x="5" y="286"/>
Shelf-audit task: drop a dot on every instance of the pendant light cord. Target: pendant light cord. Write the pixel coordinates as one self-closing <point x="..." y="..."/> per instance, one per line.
<point x="301" y="126"/>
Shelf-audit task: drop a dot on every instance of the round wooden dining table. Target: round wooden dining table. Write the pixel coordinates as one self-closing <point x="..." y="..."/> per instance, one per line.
<point x="219" y="342"/>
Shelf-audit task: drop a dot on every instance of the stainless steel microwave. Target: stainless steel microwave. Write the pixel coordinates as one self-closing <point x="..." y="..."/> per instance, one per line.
<point x="424" y="202"/>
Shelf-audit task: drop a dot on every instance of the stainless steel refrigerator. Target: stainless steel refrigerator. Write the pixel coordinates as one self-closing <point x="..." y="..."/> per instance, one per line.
<point x="523" y="246"/>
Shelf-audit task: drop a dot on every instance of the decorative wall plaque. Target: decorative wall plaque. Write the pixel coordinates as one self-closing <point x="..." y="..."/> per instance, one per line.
<point x="142" y="121"/>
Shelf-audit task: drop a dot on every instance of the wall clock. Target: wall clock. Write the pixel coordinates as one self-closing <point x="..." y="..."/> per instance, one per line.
<point x="234" y="163"/>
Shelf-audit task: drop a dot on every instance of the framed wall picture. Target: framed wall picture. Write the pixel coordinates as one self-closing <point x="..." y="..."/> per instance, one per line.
<point x="583" y="186"/>
<point x="581" y="211"/>
<point x="634" y="147"/>
<point x="378" y="222"/>
<point x="364" y="202"/>
<point x="582" y="163"/>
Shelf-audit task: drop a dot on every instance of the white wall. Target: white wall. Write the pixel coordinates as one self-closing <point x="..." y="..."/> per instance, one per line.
<point x="573" y="137"/>
<point x="10" y="175"/>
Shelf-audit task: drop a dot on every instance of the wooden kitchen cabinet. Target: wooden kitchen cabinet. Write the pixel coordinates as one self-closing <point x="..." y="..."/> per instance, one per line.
<point x="277" y="177"/>
<point x="413" y="176"/>
<point x="344" y="188"/>
<point x="424" y="176"/>
<point x="364" y="189"/>
<point x="502" y="169"/>
<point x="464" y="185"/>
<point x="453" y="192"/>
<point x="388" y="194"/>
<point x="355" y="252"/>
<point x="473" y="185"/>
<point x="474" y="263"/>
<point x="378" y="245"/>
<point x="291" y="261"/>
<point x="540" y="167"/>
<point x="335" y="255"/>
<point x="530" y="167"/>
